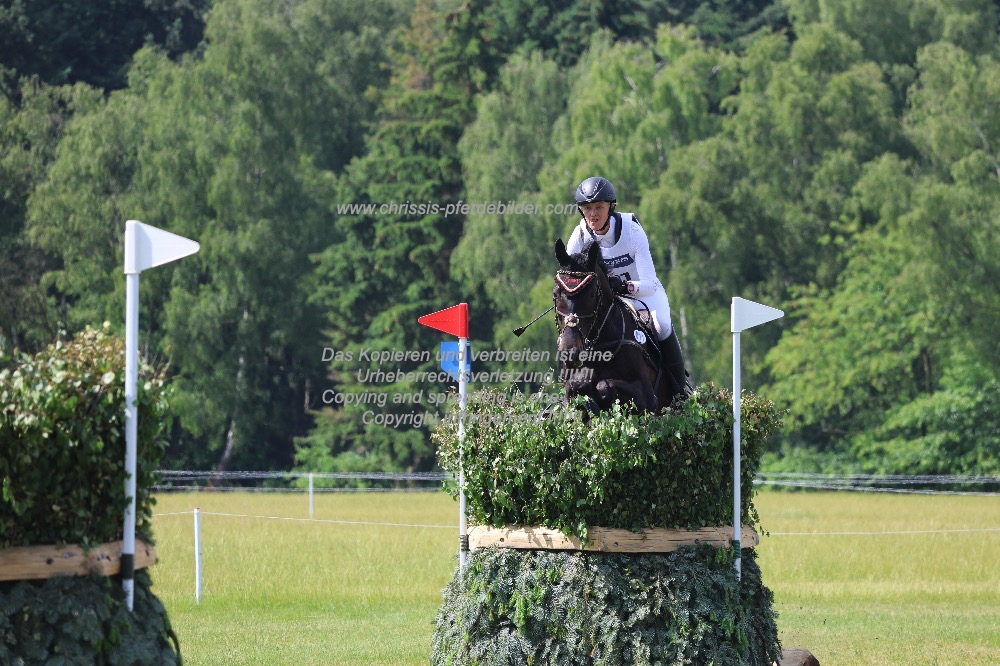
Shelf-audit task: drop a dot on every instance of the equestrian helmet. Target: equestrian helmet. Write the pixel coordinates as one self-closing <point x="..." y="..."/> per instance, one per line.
<point x="595" y="188"/>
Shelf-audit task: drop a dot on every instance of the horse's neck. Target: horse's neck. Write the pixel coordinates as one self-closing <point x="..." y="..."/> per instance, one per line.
<point x="605" y="312"/>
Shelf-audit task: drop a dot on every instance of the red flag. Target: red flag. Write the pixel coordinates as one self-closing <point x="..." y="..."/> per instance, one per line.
<point x="453" y="320"/>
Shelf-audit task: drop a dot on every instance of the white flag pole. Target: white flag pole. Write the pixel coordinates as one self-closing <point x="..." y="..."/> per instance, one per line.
<point x="131" y="426"/>
<point x="744" y="314"/>
<point x="463" y="371"/>
<point x="737" y="490"/>
<point x="145" y="247"/>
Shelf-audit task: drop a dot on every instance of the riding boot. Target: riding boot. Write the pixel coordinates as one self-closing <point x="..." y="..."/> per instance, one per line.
<point x="673" y="365"/>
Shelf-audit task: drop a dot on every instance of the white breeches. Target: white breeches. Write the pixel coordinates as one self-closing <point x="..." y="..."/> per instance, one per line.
<point x="659" y="310"/>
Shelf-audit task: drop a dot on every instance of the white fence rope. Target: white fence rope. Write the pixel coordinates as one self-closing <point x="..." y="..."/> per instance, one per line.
<point x="180" y="480"/>
<point x="321" y="520"/>
<point x="888" y="532"/>
<point x="451" y="527"/>
<point x="283" y="482"/>
<point x="885" y="483"/>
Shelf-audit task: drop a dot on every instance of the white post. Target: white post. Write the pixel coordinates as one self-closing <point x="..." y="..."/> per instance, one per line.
<point x="131" y="429"/>
<point x="737" y="390"/>
<point x="311" y="505"/>
<point x="455" y="321"/>
<point x="744" y="314"/>
<point x="197" y="555"/>
<point x="463" y="370"/>
<point x="145" y="247"/>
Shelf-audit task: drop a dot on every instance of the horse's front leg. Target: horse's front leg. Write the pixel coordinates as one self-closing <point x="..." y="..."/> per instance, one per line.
<point x="579" y="382"/>
<point x="635" y="391"/>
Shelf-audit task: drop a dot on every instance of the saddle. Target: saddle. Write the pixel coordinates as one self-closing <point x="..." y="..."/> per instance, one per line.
<point x="643" y="322"/>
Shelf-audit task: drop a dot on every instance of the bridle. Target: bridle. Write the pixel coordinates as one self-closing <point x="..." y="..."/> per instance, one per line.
<point x="573" y="282"/>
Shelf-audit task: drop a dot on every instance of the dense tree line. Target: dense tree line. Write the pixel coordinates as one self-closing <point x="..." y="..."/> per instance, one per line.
<point x="836" y="159"/>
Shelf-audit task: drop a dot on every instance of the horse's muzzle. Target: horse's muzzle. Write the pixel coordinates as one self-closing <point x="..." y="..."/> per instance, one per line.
<point x="570" y="346"/>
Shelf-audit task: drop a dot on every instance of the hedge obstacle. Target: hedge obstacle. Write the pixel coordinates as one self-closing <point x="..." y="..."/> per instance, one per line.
<point x="61" y="506"/>
<point x="608" y="541"/>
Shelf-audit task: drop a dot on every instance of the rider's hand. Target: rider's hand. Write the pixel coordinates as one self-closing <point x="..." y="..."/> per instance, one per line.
<point x="618" y="284"/>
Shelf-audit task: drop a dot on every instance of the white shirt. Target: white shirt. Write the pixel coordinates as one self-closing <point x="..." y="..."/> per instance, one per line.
<point x="629" y="258"/>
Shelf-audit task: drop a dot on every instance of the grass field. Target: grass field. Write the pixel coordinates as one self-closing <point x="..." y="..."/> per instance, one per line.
<point x="859" y="579"/>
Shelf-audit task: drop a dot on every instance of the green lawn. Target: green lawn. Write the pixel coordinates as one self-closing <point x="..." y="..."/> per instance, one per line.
<point x="922" y="597"/>
<point x="300" y="592"/>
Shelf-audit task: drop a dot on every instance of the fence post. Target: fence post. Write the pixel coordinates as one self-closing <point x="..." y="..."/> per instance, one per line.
<point x="197" y="555"/>
<point x="311" y="505"/>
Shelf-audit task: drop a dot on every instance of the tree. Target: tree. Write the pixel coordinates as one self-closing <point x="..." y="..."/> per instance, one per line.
<point x="237" y="150"/>
<point x="885" y="367"/>
<point x="897" y="366"/>
<point x="502" y="255"/>
<point x="86" y="195"/>
<point x="29" y="134"/>
<point x="891" y="32"/>
<point x="728" y="24"/>
<point x="561" y="30"/>
<point x="91" y="42"/>
<point x="763" y="204"/>
<point x="625" y="113"/>
<point x="395" y="258"/>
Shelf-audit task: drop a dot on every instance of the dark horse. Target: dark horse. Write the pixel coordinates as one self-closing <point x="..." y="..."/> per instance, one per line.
<point x="604" y="353"/>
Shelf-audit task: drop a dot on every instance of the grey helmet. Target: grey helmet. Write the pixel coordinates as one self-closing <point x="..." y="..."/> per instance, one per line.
<point x="596" y="188"/>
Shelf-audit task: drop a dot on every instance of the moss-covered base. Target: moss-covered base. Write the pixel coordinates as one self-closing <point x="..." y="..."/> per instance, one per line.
<point x="521" y="607"/>
<point x="83" y="620"/>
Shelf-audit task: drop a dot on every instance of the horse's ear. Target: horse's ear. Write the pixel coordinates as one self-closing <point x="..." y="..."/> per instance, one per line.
<point x="561" y="255"/>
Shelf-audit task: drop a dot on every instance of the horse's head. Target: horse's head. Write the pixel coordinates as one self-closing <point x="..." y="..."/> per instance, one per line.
<point x="580" y="294"/>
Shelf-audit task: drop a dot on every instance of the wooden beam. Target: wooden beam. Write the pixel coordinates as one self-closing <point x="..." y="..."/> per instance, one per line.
<point x="608" y="540"/>
<point x="40" y="562"/>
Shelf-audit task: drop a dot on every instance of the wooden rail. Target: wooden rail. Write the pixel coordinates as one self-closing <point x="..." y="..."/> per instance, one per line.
<point x="40" y="562"/>
<point x="608" y="540"/>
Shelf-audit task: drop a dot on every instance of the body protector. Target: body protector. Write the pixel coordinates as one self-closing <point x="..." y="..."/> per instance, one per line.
<point x="625" y="251"/>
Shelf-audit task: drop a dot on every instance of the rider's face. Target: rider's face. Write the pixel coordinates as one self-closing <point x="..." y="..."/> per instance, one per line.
<point x="596" y="214"/>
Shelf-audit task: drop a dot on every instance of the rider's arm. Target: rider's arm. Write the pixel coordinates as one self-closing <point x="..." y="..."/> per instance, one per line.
<point x="647" y="284"/>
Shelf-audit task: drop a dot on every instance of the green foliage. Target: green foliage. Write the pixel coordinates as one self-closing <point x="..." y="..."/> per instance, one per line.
<point x="289" y="82"/>
<point x="559" y="30"/>
<point x="877" y="366"/>
<point x="516" y="607"/>
<point x="757" y="158"/>
<point x="30" y="132"/>
<point x="84" y="620"/>
<point x="400" y="260"/>
<point x="955" y="430"/>
<point x="237" y="149"/>
<point x="729" y="24"/>
<point x="892" y="31"/>
<point x="502" y="151"/>
<point x="62" y="431"/>
<point x="83" y="42"/>
<point x="528" y="461"/>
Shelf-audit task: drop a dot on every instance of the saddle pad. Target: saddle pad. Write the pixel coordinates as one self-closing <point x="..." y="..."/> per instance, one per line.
<point x="641" y="316"/>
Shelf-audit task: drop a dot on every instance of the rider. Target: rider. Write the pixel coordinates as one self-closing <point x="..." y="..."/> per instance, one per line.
<point x="625" y="250"/>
